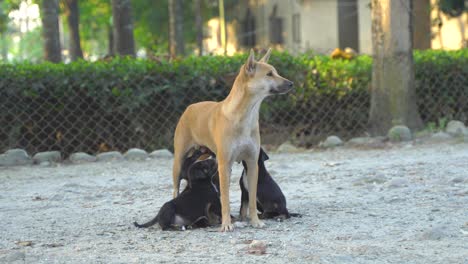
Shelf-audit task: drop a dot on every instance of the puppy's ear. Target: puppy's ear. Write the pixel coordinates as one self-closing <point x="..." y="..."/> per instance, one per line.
<point x="266" y="57"/>
<point x="250" y="64"/>
<point x="263" y="156"/>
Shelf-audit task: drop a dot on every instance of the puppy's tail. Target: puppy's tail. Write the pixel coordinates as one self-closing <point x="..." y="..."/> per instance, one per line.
<point x="148" y="224"/>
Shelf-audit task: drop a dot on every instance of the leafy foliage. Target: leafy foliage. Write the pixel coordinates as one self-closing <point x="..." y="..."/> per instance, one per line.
<point x="127" y="102"/>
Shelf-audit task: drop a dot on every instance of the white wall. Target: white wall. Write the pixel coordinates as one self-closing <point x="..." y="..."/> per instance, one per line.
<point x="365" y="30"/>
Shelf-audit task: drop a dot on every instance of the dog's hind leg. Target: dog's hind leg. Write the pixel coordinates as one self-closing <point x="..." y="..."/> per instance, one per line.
<point x="244" y="198"/>
<point x="252" y="180"/>
<point x="182" y="144"/>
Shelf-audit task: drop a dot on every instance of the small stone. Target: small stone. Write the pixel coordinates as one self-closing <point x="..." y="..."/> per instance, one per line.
<point x="458" y="179"/>
<point x="287" y="147"/>
<point x="24" y="243"/>
<point x="136" y="154"/>
<point x="15" y="157"/>
<point x="435" y="233"/>
<point x="47" y="156"/>
<point x="108" y="156"/>
<point x="398" y="183"/>
<point x="331" y="142"/>
<point x="161" y="154"/>
<point x="257" y="247"/>
<point x="456" y="128"/>
<point x="441" y="136"/>
<point x="399" y="133"/>
<point x="81" y="157"/>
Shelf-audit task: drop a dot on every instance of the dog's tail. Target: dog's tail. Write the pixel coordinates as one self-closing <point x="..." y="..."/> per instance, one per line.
<point x="148" y="224"/>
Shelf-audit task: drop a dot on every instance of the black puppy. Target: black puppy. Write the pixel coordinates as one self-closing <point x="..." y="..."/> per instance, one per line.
<point x="270" y="199"/>
<point x="198" y="205"/>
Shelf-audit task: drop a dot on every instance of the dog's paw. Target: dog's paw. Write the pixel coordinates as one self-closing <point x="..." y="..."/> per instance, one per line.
<point x="226" y="227"/>
<point x="257" y="223"/>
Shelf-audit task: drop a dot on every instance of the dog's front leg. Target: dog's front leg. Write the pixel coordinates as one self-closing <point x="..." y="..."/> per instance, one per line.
<point x="252" y="179"/>
<point x="224" y="169"/>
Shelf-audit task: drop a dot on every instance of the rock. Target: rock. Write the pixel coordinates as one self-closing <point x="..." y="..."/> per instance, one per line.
<point x="331" y="142"/>
<point x="441" y="136"/>
<point x="136" y="154"/>
<point x="47" y="156"/>
<point x="398" y="183"/>
<point x="375" y="179"/>
<point x="399" y="133"/>
<point x="458" y="179"/>
<point x="287" y="147"/>
<point x="161" y="154"/>
<point x="108" y="156"/>
<point x="257" y="247"/>
<point x="435" y="233"/>
<point x="15" y="157"/>
<point x="81" y="157"/>
<point x="456" y="128"/>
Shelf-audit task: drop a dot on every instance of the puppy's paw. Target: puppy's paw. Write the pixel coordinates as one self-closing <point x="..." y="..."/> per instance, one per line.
<point x="257" y="223"/>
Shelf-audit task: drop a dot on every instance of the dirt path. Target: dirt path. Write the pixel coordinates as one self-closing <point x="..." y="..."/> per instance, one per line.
<point x="407" y="204"/>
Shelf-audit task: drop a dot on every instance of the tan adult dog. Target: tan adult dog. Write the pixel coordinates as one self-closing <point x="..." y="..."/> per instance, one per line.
<point x="230" y="129"/>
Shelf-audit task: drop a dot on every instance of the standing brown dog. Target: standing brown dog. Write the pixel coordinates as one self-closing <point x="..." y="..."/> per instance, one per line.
<point x="230" y="129"/>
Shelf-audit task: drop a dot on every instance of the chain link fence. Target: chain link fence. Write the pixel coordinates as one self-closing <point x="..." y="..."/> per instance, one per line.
<point x="52" y="110"/>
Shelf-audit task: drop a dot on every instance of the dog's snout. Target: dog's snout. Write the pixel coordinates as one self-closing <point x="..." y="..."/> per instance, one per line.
<point x="290" y="84"/>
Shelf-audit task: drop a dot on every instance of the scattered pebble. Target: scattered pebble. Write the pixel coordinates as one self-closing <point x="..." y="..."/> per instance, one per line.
<point x="257" y="247"/>
<point x="399" y="133"/>
<point x="136" y="154"/>
<point x="47" y="157"/>
<point x="161" y="154"/>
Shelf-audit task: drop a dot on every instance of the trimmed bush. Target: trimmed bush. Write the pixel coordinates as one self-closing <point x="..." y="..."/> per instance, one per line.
<point x="125" y="103"/>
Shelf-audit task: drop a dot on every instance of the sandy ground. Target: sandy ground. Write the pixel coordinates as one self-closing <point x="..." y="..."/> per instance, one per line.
<point x="403" y="204"/>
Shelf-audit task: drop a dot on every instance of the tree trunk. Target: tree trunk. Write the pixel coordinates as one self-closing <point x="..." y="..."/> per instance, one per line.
<point x="199" y="25"/>
<point x="50" y="30"/>
<point x="422" y="24"/>
<point x="73" y="19"/>
<point x="124" y="43"/>
<point x="4" y="46"/>
<point x="393" y="97"/>
<point x="176" y="28"/>
<point x="111" y="41"/>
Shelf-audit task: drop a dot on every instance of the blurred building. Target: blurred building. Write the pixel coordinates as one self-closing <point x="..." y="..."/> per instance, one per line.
<point x="323" y="25"/>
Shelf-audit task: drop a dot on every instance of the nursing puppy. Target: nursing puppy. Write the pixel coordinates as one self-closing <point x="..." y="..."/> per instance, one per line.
<point x="230" y="129"/>
<point x="270" y="199"/>
<point x="198" y="205"/>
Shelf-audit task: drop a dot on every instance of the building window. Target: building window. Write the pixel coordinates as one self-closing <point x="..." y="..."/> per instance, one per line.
<point x="296" y="24"/>
<point x="248" y="30"/>
<point x="276" y="27"/>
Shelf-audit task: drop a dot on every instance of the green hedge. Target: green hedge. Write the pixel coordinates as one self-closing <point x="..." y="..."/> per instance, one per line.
<point x="136" y="103"/>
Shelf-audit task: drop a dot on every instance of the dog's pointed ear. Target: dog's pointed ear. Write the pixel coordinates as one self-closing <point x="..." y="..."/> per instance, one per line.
<point x="250" y="64"/>
<point x="266" y="57"/>
<point x="263" y="155"/>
